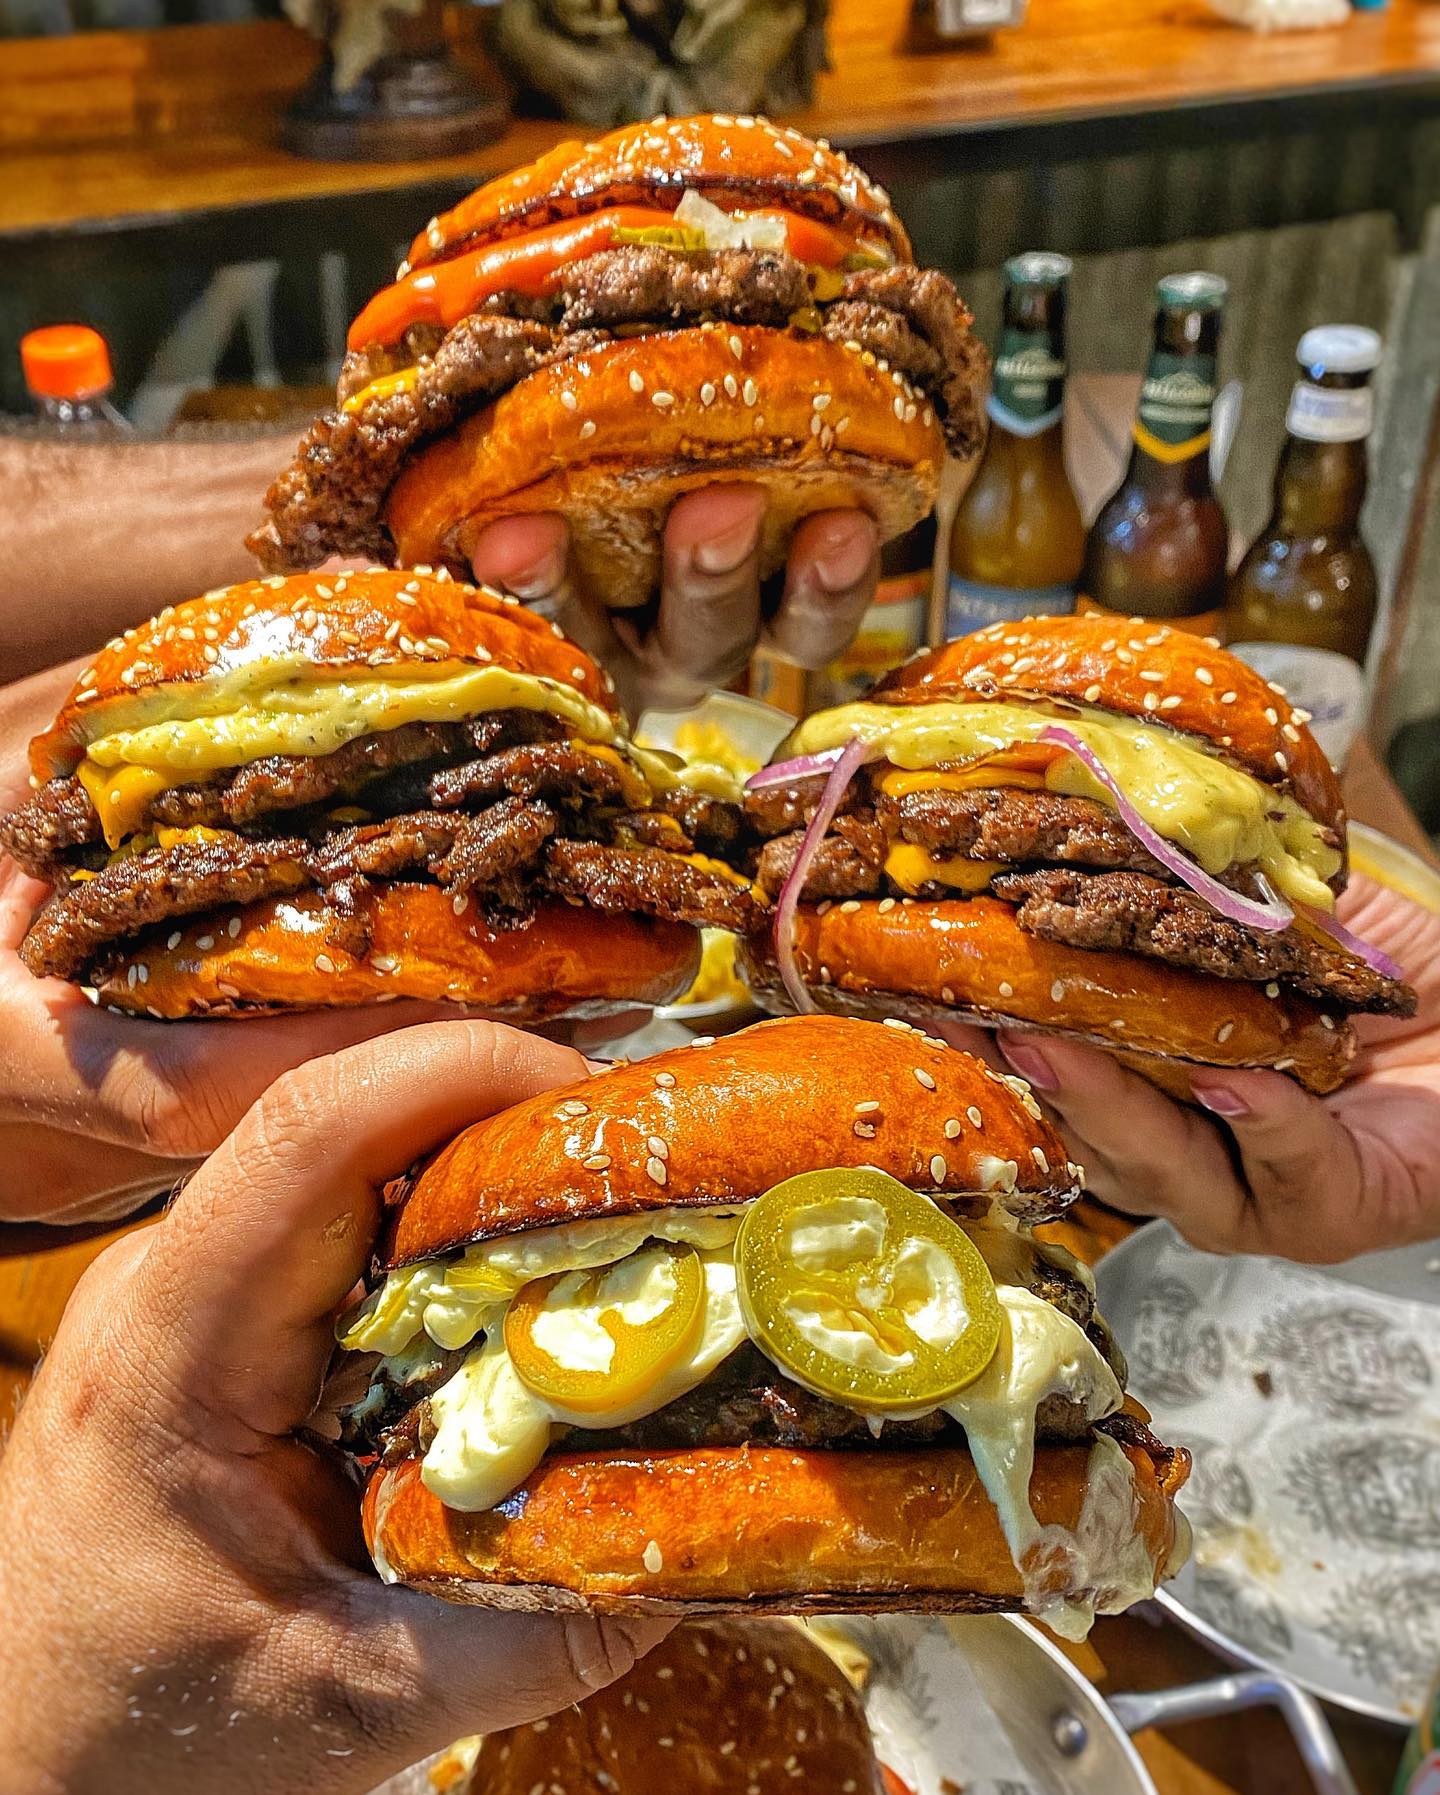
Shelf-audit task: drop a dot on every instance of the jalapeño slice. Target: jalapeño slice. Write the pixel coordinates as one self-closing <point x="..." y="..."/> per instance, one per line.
<point x="650" y="1304"/>
<point x="865" y="1292"/>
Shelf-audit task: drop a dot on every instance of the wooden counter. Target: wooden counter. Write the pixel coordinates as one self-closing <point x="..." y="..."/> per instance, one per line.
<point x="118" y="130"/>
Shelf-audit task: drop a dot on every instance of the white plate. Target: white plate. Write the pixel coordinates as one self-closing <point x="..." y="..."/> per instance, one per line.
<point x="1311" y="1400"/>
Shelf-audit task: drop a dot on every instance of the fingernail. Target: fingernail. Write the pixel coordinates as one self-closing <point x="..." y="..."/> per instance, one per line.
<point x="1031" y="1064"/>
<point x="725" y="551"/>
<point x="844" y="556"/>
<point x="1220" y="1100"/>
<point x="540" y="578"/>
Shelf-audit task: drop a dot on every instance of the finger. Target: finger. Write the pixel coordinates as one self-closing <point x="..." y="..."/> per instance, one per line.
<point x="710" y="587"/>
<point x="831" y="575"/>
<point x="524" y="555"/>
<point x="63" y="1179"/>
<point x="236" y="1294"/>
<point x="26" y="707"/>
<point x="1141" y="1151"/>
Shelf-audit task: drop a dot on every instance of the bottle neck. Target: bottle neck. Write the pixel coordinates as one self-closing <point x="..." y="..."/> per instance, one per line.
<point x="1319" y="487"/>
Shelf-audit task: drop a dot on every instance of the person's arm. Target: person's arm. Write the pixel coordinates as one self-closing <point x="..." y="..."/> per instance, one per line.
<point x="106" y="534"/>
<point x="1262" y="1166"/>
<point x="188" y="1600"/>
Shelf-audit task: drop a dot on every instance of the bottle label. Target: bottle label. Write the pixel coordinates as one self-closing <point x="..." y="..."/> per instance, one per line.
<point x="1197" y="623"/>
<point x="1328" y="685"/>
<point x="1028" y="385"/>
<point x="973" y="605"/>
<point x="1175" y="405"/>
<point x="1327" y="414"/>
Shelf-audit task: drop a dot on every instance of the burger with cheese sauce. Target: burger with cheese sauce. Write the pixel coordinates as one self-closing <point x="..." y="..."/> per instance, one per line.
<point x="351" y="788"/>
<point x="1106" y="829"/>
<point x="679" y="302"/>
<point x="759" y="1325"/>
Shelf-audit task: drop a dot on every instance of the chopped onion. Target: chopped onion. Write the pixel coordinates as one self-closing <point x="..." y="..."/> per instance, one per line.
<point x="1272" y="915"/>
<point x="849" y="761"/>
<point x="784" y="772"/>
<point x="1352" y="943"/>
<point x="727" y="230"/>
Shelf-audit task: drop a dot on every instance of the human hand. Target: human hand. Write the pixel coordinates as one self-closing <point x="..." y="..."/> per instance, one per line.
<point x="709" y="617"/>
<point x="189" y="1602"/>
<point x="1271" y="1168"/>
<point x="98" y="1112"/>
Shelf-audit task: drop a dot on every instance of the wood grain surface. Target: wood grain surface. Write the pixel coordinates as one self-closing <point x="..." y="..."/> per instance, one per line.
<point x="116" y="126"/>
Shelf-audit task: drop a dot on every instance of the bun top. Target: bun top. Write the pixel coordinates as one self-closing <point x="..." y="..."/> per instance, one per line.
<point x="720" y="1121"/>
<point x="360" y="623"/>
<point x="746" y="160"/>
<point x="735" y="1707"/>
<point x="1141" y="669"/>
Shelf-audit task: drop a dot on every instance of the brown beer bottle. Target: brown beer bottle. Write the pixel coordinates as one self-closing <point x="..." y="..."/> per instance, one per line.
<point x="1308" y="581"/>
<point x="1159" y="546"/>
<point x="1018" y="537"/>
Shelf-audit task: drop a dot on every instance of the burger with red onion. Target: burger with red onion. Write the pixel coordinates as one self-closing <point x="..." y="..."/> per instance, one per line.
<point x="679" y="302"/>
<point x="1112" y="830"/>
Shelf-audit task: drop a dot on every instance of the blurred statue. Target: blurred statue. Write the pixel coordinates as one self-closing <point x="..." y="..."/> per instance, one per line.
<point x="603" y="62"/>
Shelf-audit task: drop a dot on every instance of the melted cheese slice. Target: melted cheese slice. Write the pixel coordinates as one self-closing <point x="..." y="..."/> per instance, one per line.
<point x="1218" y="814"/>
<point x="911" y="867"/>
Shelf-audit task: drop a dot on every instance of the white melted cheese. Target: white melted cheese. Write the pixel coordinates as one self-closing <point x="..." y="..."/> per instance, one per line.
<point x="1217" y="813"/>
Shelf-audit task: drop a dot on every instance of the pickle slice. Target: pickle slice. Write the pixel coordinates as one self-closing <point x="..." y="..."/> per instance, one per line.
<point x="650" y="1305"/>
<point x="865" y="1292"/>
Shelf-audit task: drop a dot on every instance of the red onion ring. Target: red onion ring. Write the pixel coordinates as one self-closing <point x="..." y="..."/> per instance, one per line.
<point x="850" y="759"/>
<point x="783" y="772"/>
<point x="1373" y="957"/>
<point x="1271" y="916"/>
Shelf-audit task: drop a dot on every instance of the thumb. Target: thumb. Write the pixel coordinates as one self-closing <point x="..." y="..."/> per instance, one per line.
<point x="1299" y="1161"/>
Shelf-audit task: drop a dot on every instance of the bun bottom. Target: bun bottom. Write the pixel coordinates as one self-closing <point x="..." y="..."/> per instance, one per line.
<point x="282" y="955"/>
<point x="759" y="1529"/>
<point x="969" y="958"/>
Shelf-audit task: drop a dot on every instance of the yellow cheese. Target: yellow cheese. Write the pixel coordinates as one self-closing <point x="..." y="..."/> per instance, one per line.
<point x="381" y="388"/>
<point x="898" y="785"/>
<point x="1217" y="813"/>
<point x="121" y="795"/>
<point x="911" y="867"/>
<point x="633" y="788"/>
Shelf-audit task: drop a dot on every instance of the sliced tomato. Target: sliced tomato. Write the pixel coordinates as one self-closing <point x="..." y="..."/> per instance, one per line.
<point x="864" y="1291"/>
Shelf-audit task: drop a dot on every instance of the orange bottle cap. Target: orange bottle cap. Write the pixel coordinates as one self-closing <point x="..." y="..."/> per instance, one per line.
<point x="65" y="361"/>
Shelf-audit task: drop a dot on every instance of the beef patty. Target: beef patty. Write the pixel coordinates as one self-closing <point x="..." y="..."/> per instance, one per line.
<point x="329" y="500"/>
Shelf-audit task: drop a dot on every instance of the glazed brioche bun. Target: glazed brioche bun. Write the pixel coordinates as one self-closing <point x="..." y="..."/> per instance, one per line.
<point x="567" y="961"/>
<point x="738" y="163"/>
<point x="611" y="439"/>
<point x="757" y="1530"/>
<point x="732" y="1708"/>
<point x="736" y="1116"/>
<point x="194" y="659"/>
<point x="1112" y="663"/>
<point x="929" y="960"/>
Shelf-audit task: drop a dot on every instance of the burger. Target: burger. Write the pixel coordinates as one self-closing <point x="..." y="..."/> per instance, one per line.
<point x="732" y="1707"/>
<point x="1106" y="829"/>
<point x="680" y="302"/>
<point x="352" y="788"/>
<point x="758" y="1325"/>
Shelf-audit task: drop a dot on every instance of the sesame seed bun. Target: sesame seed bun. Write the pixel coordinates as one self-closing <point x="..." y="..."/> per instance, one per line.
<point x="732" y="1117"/>
<point x="730" y="1707"/>
<point x="970" y="957"/>
<point x="568" y="960"/>
<point x="610" y="441"/>
<point x="334" y="624"/>
<point x="1140" y="669"/>
<point x="737" y="162"/>
<point x="755" y="1530"/>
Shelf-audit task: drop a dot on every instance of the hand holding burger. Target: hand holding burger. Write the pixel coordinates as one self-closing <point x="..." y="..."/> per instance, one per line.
<point x="189" y="1601"/>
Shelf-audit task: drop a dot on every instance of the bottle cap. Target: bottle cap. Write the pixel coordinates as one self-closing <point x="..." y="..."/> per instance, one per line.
<point x="1038" y="268"/>
<point x="65" y="361"/>
<point x="1339" y="349"/>
<point x="1196" y="292"/>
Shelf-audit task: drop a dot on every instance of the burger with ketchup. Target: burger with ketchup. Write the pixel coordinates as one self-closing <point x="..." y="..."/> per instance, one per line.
<point x="342" y="790"/>
<point x="759" y="1325"/>
<point x="1112" y="830"/>
<point x="601" y="331"/>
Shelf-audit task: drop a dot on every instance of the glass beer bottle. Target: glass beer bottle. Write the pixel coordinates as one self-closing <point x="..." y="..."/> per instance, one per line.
<point x="1308" y="582"/>
<point x="1018" y="537"/>
<point x="1159" y="545"/>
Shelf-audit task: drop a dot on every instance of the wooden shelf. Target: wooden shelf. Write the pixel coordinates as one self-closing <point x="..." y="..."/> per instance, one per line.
<point x="118" y="130"/>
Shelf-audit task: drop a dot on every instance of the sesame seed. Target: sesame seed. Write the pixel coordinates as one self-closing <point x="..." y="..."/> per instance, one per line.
<point x="952" y="1128"/>
<point x="323" y="963"/>
<point x="1224" y="1032"/>
<point x="658" y="1148"/>
<point x="868" y="1107"/>
<point x="750" y="392"/>
<point x="1152" y="701"/>
<point x="896" y="1022"/>
<point x="1281" y="762"/>
<point x="1091" y="694"/>
<point x="1325" y="1021"/>
<point x="1169" y="702"/>
<point x="573" y="1107"/>
<point x="1227" y="697"/>
<point x="637" y="385"/>
<point x="597" y="1162"/>
<point x="899" y="408"/>
<point x="737" y="348"/>
<point x="652" y="1558"/>
<point x="974" y="1117"/>
<point x="1205" y="676"/>
<point x="707" y="393"/>
<point x="460" y="903"/>
<point x="1151" y="673"/>
<point x="232" y="928"/>
<point x="947" y="994"/>
<point x="922" y="1077"/>
<point x="703" y="1041"/>
<point x="588" y="427"/>
<point x="1057" y="991"/>
<point x="1272" y="716"/>
<point x="885" y="906"/>
<point x="732" y="387"/>
<point x="663" y="400"/>
<point x="865" y="1130"/>
<point x="1006" y="988"/>
<point x="174" y="940"/>
<point x="205" y="943"/>
<point x="938" y="1168"/>
<point x="665" y="1080"/>
<point x="1272" y="989"/>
